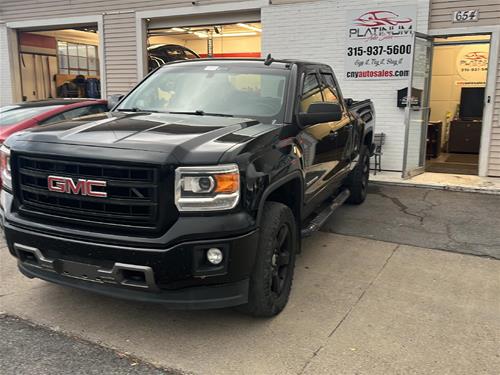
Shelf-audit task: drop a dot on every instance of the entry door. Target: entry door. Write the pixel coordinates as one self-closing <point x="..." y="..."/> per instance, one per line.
<point x="28" y="77"/>
<point x="36" y="76"/>
<point x="417" y="107"/>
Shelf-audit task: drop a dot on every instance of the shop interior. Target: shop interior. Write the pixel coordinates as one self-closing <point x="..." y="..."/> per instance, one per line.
<point x="220" y="41"/>
<point x="59" y="63"/>
<point x="458" y="82"/>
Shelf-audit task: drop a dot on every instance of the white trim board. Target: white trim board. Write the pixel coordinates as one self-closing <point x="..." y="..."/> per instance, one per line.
<point x="54" y="22"/>
<point x="203" y="9"/>
<point x="491" y="82"/>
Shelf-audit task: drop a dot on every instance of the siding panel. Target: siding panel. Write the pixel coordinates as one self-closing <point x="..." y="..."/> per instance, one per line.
<point x="120" y="56"/>
<point x="441" y="12"/>
<point x="494" y="157"/>
<point x="33" y="9"/>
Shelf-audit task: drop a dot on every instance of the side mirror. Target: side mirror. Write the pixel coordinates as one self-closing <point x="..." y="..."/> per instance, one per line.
<point x="114" y="100"/>
<point x="321" y="112"/>
<point x="349" y="102"/>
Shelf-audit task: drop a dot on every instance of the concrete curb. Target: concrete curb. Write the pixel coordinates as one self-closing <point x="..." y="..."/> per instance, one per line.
<point x="463" y="189"/>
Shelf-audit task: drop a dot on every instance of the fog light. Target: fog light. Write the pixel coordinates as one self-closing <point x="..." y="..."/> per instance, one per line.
<point x="214" y="255"/>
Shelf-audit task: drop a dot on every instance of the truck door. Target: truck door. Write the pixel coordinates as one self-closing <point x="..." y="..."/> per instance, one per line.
<point x="317" y="141"/>
<point x="342" y="130"/>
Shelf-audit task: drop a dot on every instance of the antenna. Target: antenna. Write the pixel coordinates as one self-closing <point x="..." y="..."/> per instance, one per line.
<point x="269" y="60"/>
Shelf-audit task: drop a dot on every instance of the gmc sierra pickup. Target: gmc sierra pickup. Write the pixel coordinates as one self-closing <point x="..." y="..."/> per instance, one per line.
<point x="194" y="190"/>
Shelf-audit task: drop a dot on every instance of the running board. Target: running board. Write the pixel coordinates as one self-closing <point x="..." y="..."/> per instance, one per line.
<point x="316" y="223"/>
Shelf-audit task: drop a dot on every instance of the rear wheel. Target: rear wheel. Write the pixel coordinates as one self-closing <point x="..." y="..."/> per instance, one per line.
<point x="358" y="179"/>
<point x="271" y="278"/>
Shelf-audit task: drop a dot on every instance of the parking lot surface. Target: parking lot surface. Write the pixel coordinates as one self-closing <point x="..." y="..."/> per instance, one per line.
<point x="437" y="219"/>
<point x="31" y="349"/>
<point x="358" y="306"/>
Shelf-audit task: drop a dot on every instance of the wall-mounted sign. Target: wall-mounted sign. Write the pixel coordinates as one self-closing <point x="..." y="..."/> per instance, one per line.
<point x="379" y="43"/>
<point x="466" y="15"/>
<point x="472" y="64"/>
<point x="415" y="98"/>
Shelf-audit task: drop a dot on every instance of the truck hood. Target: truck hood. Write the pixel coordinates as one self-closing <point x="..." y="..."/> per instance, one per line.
<point x="176" y="135"/>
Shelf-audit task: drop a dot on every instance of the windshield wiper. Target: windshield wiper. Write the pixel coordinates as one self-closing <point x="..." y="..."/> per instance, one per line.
<point x="199" y="112"/>
<point x="135" y="109"/>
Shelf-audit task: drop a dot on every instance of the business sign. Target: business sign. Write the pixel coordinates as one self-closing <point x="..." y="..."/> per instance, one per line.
<point x="472" y="65"/>
<point x="379" y="43"/>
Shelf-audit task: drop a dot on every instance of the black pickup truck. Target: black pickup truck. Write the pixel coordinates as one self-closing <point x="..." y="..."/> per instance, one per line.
<point x="194" y="190"/>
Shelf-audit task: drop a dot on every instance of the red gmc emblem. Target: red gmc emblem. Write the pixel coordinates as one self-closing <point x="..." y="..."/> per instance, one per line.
<point x="82" y="187"/>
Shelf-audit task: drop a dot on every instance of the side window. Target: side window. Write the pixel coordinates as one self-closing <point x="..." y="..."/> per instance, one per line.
<point x="174" y="54"/>
<point x="311" y="92"/>
<point x="330" y="92"/>
<point x="98" y="108"/>
<point x="53" y="119"/>
<point x="76" y="112"/>
<point x="189" y="55"/>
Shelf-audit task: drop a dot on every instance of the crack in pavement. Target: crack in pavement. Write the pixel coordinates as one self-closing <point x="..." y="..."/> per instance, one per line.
<point x="422" y="215"/>
<point x="402" y="207"/>
<point x="349" y="311"/>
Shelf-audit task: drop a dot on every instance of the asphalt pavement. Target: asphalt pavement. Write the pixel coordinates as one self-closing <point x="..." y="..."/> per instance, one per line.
<point x="30" y="349"/>
<point x="430" y="218"/>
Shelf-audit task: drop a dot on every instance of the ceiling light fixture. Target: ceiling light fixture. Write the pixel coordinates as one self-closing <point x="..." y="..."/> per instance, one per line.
<point x="250" y="27"/>
<point x="204" y="35"/>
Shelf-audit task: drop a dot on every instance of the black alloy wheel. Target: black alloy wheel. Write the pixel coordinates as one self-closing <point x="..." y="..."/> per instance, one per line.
<point x="272" y="275"/>
<point x="280" y="260"/>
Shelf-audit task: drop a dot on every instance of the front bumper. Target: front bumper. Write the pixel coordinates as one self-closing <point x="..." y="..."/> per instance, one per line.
<point x="176" y="274"/>
<point x="193" y="298"/>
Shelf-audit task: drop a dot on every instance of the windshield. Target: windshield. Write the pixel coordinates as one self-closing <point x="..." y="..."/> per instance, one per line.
<point x="16" y="115"/>
<point x="223" y="90"/>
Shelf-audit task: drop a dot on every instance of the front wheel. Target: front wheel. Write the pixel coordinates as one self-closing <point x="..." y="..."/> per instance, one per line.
<point x="271" y="278"/>
<point x="357" y="182"/>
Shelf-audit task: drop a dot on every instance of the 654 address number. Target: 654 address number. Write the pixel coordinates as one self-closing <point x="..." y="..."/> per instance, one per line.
<point x="466" y="15"/>
<point x="403" y="49"/>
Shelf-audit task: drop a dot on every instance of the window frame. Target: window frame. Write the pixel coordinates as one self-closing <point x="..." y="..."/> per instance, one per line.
<point x="335" y="87"/>
<point x="87" y="71"/>
<point x="304" y="75"/>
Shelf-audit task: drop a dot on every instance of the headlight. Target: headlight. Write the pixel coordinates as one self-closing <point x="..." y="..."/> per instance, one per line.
<point x="212" y="188"/>
<point x="5" y="175"/>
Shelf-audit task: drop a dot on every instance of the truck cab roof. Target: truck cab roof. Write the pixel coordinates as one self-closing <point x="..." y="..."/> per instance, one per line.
<point x="251" y="62"/>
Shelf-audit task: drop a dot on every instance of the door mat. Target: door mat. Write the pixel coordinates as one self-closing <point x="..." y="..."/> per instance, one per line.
<point x="463" y="158"/>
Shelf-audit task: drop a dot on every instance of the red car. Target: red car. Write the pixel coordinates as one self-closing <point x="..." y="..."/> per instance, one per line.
<point x="26" y="115"/>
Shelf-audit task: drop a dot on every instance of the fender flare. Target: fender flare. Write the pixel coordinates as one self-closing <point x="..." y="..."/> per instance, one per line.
<point x="277" y="184"/>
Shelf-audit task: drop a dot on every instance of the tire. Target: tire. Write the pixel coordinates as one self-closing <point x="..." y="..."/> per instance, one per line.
<point x="357" y="182"/>
<point x="271" y="278"/>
